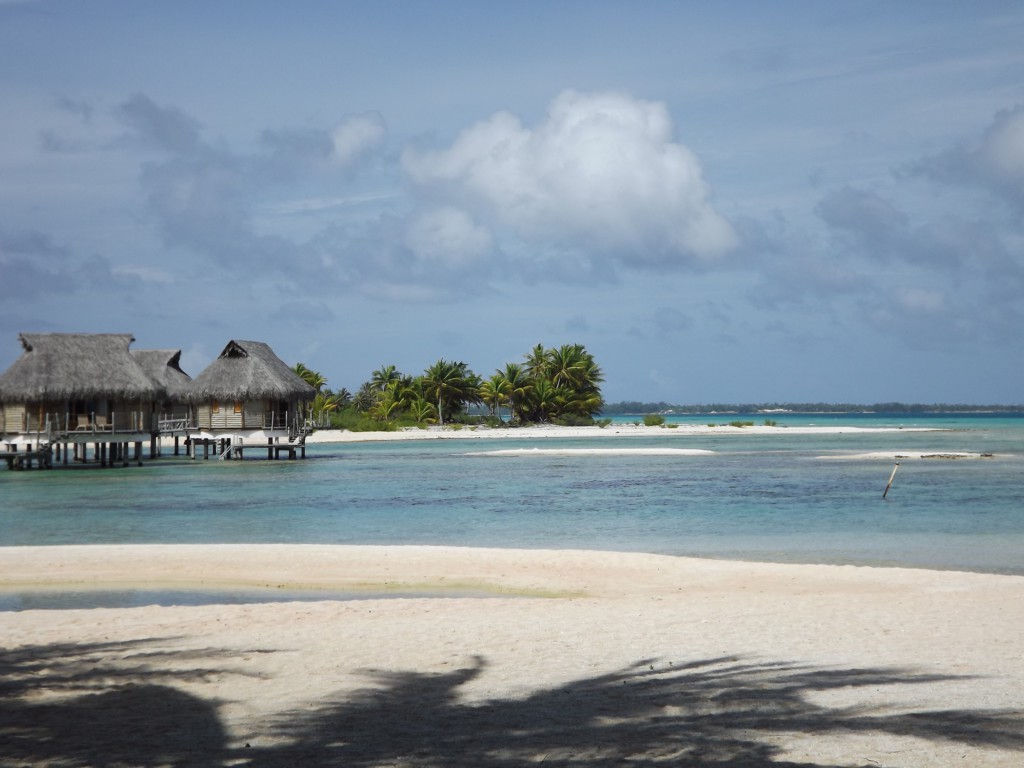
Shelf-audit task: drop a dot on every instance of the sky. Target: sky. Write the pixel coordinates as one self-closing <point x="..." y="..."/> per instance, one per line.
<point x="723" y="202"/>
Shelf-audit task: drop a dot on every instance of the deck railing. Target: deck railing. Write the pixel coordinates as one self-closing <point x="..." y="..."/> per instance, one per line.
<point x="168" y="425"/>
<point x="89" y="423"/>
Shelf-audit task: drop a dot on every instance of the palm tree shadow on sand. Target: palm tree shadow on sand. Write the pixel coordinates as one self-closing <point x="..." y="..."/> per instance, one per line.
<point x="116" y="705"/>
<point x="107" y="704"/>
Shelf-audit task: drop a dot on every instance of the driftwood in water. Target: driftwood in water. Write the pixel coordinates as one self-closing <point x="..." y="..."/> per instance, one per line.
<point x="891" y="478"/>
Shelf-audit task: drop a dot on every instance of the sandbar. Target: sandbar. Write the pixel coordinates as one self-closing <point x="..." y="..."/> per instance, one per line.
<point x="542" y="431"/>
<point x="559" y="657"/>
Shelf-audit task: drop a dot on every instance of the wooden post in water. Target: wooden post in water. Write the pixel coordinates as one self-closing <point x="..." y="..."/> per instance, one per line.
<point x="891" y="478"/>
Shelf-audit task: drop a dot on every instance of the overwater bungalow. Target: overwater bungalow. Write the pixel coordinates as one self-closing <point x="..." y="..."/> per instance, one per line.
<point x="248" y="397"/>
<point x="76" y="390"/>
<point x="164" y="367"/>
<point x="172" y="413"/>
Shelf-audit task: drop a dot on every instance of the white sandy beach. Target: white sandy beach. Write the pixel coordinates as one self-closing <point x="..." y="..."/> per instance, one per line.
<point x="563" y="657"/>
<point x="534" y="432"/>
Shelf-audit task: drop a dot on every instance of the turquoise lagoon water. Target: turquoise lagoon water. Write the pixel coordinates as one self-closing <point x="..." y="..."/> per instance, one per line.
<point x="780" y="497"/>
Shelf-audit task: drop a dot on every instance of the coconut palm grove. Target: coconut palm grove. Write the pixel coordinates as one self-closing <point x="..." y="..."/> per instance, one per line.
<point x="557" y="385"/>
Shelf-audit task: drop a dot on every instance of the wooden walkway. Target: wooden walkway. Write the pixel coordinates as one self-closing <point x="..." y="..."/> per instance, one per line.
<point x="111" y="449"/>
<point x="230" y="447"/>
<point x="105" y="449"/>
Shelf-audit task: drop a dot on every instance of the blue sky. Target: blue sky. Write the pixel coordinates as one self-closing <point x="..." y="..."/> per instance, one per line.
<point x="747" y="201"/>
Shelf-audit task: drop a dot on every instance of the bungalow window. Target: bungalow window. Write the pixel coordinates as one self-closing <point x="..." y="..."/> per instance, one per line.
<point x="238" y="406"/>
<point x="215" y="406"/>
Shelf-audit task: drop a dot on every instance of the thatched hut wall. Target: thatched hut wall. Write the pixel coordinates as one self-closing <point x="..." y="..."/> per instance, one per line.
<point x="14" y="417"/>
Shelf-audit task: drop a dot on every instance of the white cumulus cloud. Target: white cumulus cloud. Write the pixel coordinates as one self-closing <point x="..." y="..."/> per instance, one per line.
<point x="448" y="237"/>
<point x="922" y="301"/>
<point x="995" y="162"/>
<point x="1003" y="148"/>
<point x="602" y="173"/>
<point x="356" y="135"/>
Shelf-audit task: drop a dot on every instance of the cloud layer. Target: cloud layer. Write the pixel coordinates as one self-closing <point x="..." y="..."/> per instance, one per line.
<point x="794" y="207"/>
<point x="995" y="162"/>
<point x="601" y="175"/>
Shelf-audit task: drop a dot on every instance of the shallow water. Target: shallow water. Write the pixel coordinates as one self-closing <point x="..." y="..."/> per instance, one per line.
<point x="50" y="599"/>
<point x="779" y="497"/>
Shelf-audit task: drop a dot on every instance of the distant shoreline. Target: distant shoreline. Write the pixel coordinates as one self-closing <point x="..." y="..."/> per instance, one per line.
<point x="636" y="408"/>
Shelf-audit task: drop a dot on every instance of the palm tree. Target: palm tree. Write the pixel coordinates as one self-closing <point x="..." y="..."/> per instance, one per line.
<point x="324" y="403"/>
<point x="572" y="372"/>
<point x="537" y="363"/>
<point x="386" y="406"/>
<point x="365" y="397"/>
<point x="342" y="397"/>
<point x="546" y="400"/>
<point x="548" y="384"/>
<point x="494" y="392"/>
<point x="567" y="365"/>
<point x="586" y="376"/>
<point x="384" y="376"/>
<point x="423" y="411"/>
<point x="451" y="386"/>
<point x="582" y="403"/>
<point x="314" y="378"/>
<point x="518" y="387"/>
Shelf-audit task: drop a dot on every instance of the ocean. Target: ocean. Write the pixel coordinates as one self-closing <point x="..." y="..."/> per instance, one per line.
<point x="782" y="497"/>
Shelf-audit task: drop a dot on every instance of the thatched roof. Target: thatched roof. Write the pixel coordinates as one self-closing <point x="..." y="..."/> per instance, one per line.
<point x="164" y="367"/>
<point x="76" y="366"/>
<point x="248" y="370"/>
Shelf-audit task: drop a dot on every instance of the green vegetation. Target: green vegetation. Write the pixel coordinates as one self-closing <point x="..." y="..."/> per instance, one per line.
<point x="557" y="385"/>
<point x="325" y="404"/>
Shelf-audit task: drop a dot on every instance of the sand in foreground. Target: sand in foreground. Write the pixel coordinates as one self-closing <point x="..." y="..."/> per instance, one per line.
<point x="566" y="658"/>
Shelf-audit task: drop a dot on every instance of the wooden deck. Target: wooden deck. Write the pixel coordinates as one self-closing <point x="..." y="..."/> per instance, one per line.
<point x="110" y="449"/>
<point x="105" y="449"/>
<point x="232" y="447"/>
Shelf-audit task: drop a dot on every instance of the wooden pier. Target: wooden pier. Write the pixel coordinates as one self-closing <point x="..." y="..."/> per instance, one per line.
<point x="123" y="449"/>
<point x="234" y="447"/>
<point x="16" y="459"/>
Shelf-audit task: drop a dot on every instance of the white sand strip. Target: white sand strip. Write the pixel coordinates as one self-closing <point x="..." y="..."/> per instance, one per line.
<point x="910" y="455"/>
<point x="549" y="431"/>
